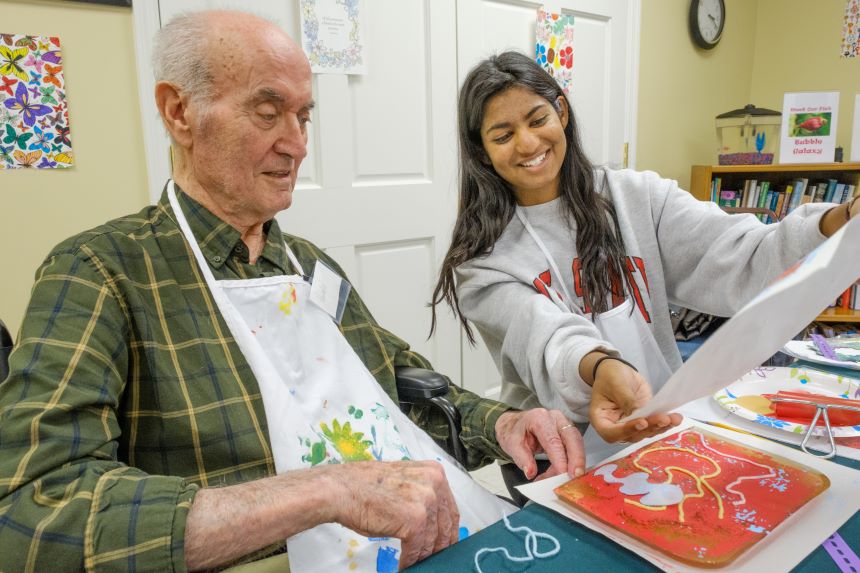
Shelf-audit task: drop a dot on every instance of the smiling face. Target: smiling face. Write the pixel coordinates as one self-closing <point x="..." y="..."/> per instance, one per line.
<point x="248" y="142"/>
<point x="523" y="136"/>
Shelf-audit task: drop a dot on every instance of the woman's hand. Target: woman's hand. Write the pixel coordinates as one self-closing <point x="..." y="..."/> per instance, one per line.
<point x="618" y="390"/>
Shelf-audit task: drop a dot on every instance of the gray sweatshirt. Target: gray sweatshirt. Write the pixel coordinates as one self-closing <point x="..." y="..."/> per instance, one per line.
<point x="680" y="251"/>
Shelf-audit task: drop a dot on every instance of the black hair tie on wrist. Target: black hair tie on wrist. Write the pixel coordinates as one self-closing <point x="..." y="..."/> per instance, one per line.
<point x="601" y="359"/>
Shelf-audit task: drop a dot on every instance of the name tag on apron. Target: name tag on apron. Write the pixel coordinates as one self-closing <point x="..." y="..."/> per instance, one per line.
<point x="329" y="291"/>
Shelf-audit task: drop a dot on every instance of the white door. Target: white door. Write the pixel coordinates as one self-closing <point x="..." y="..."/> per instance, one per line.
<point x="377" y="188"/>
<point x="603" y="91"/>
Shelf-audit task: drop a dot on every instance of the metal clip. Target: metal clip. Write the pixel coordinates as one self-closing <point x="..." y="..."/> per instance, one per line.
<point x="821" y="409"/>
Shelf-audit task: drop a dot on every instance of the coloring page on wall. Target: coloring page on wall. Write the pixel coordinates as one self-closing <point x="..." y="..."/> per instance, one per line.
<point x="34" y="116"/>
<point x="851" y="30"/>
<point x="333" y="36"/>
<point x="808" y="127"/>
<point x="554" y="46"/>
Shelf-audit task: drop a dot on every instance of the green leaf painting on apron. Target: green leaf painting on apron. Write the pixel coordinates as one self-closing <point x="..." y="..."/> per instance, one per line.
<point x="338" y="442"/>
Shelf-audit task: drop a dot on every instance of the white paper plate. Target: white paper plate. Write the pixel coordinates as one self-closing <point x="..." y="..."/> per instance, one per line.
<point x="801" y="349"/>
<point x="772" y="380"/>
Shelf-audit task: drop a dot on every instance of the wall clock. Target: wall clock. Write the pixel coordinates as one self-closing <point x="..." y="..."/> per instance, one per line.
<point x="707" y="18"/>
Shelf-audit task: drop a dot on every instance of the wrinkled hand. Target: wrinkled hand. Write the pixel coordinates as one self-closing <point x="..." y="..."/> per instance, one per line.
<point x="524" y="434"/>
<point x="411" y="501"/>
<point x="618" y="390"/>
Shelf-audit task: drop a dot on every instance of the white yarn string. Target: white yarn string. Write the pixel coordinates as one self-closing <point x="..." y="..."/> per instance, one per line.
<point x="531" y="544"/>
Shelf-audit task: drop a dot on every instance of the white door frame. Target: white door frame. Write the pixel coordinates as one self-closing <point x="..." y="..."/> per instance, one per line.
<point x="634" y="29"/>
<point x="146" y="23"/>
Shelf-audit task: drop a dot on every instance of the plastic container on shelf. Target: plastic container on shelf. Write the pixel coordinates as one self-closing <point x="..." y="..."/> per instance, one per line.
<point x="748" y="136"/>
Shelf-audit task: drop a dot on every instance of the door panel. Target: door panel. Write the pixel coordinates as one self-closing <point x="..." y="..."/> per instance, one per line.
<point x="600" y="93"/>
<point x="415" y="262"/>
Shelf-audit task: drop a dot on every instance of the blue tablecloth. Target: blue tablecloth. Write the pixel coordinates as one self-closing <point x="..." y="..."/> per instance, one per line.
<point x="581" y="548"/>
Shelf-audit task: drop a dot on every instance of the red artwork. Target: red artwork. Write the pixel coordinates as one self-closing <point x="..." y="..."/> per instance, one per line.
<point x="697" y="497"/>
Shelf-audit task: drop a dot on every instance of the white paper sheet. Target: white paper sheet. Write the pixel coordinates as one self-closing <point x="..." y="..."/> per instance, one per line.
<point x="787" y="545"/>
<point x="763" y="326"/>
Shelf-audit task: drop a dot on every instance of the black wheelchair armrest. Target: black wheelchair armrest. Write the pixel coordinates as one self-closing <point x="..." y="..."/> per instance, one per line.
<point x="5" y="350"/>
<point x="415" y="384"/>
<point x="424" y="387"/>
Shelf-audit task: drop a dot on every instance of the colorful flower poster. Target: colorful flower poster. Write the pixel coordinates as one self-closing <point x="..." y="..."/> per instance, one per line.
<point x="34" y="117"/>
<point x="333" y="36"/>
<point x="554" y="46"/>
<point x="851" y="30"/>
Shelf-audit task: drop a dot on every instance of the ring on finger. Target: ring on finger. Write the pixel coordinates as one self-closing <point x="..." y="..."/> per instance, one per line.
<point x="565" y="427"/>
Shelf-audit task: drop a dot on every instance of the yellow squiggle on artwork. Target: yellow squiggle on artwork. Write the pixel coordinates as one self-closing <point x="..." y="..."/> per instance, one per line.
<point x="700" y="481"/>
<point x="288" y="299"/>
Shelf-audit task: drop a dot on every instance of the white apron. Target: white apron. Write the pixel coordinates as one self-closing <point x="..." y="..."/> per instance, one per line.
<point x="624" y="330"/>
<point x="323" y="406"/>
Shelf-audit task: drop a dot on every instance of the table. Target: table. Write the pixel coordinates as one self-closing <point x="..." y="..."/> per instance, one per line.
<point x="581" y="548"/>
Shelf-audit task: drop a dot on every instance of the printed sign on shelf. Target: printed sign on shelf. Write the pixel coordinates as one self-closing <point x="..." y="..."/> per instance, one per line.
<point x="808" y="127"/>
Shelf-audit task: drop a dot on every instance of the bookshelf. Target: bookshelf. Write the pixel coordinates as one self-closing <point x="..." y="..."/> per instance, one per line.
<point x="733" y="177"/>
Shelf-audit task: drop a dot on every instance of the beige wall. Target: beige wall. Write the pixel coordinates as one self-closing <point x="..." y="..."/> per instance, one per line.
<point x="769" y="47"/>
<point x="797" y="49"/>
<point x="682" y="87"/>
<point x="39" y="208"/>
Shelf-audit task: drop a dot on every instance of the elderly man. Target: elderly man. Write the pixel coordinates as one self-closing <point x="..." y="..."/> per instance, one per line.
<point x="177" y="400"/>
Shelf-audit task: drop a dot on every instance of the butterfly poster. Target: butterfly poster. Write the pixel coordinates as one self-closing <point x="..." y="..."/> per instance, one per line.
<point x="34" y="116"/>
<point x="554" y="46"/>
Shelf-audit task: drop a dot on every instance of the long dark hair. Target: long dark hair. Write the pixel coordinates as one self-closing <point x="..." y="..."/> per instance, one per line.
<point x="487" y="201"/>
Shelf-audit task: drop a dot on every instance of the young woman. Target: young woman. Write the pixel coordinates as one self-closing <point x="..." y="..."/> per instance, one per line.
<point x="567" y="270"/>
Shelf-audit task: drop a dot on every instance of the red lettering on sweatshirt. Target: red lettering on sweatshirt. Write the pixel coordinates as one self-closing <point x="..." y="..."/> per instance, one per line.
<point x="637" y="295"/>
<point x="633" y="264"/>
<point x="543" y="281"/>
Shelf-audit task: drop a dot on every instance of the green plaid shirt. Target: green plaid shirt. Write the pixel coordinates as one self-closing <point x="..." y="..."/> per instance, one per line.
<point x="127" y="393"/>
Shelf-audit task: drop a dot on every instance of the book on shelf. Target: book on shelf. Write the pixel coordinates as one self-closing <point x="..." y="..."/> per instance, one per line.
<point x="782" y="199"/>
<point x="716" y="186"/>
<point x="763" y="201"/>
<point x="800" y="186"/>
<point x="830" y="191"/>
<point x="848" y="300"/>
<point x="820" y="192"/>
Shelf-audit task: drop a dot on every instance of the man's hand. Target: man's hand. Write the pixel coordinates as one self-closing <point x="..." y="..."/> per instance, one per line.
<point x="407" y="500"/>
<point x="524" y="434"/>
<point x="618" y="390"/>
<point x="411" y="501"/>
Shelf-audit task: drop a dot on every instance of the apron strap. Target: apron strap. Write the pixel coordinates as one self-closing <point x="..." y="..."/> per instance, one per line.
<point x="522" y="217"/>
